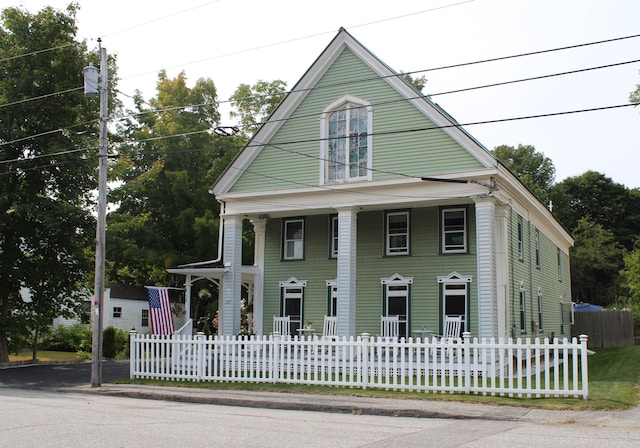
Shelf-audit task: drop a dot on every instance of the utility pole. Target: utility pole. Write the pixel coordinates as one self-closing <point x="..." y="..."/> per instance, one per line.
<point x="98" y="299"/>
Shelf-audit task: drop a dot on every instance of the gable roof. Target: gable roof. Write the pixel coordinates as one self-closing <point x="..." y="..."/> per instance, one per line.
<point x="309" y="81"/>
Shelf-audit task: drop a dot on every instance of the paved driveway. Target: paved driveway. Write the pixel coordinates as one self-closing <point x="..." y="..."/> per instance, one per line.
<point x="49" y="376"/>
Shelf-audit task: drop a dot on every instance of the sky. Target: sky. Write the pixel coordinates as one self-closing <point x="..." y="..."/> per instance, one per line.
<point x="243" y="41"/>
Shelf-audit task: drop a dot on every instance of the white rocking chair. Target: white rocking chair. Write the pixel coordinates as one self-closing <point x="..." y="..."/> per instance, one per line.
<point x="389" y="326"/>
<point x="329" y="328"/>
<point x="282" y="325"/>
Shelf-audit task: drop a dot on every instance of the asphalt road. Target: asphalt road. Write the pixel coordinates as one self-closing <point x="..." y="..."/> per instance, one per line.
<point x="51" y="377"/>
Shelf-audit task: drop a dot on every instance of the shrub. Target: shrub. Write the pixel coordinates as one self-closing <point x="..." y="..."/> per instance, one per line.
<point x="68" y="339"/>
<point x="109" y="349"/>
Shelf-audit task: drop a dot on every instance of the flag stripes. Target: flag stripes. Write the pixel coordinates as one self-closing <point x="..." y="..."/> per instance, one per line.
<point x="160" y="315"/>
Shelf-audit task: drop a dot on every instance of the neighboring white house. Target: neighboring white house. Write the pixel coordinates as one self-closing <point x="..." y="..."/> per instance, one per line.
<point x="127" y="307"/>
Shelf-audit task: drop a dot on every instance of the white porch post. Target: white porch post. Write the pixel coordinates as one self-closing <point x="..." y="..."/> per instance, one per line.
<point x="229" y="315"/>
<point x="346" y="275"/>
<point x="187" y="300"/>
<point x="259" y="229"/>
<point x="486" y="260"/>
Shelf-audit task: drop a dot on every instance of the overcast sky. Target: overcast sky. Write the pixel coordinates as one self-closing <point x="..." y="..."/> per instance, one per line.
<point x="242" y="41"/>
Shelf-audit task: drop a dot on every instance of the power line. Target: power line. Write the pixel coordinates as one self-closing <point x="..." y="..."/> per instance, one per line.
<point x="278" y="145"/>
<point x="48" y="95"/>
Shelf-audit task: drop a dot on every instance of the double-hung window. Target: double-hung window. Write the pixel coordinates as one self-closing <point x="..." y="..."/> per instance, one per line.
<point x="397" y="233"/>
<point x="346" y="141"/>
<point x="293" y="239"/>
<point x="333" y="237"/>
<point x="454" y="230"/>
<point x="117" y="311"/>
<point x="520" y="238"/>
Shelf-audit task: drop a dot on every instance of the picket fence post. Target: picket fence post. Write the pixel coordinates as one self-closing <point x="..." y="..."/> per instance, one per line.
<point x="364" y="373"/>
<point x="583" y="358"/>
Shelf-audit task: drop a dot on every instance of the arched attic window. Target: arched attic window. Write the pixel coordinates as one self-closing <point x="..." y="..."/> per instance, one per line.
<point x="346" y="141"/>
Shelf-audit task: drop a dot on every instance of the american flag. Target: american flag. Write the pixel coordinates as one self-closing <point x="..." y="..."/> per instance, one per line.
<point x="160" y="314"/>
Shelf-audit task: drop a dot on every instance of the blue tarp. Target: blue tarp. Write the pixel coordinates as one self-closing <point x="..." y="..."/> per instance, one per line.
<point x="587" y="307"/>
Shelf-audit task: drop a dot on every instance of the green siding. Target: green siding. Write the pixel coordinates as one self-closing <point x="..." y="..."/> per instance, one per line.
<point x="545" y="277"/>
<point x="393" y="151"/>
<point x="424" y="265"/>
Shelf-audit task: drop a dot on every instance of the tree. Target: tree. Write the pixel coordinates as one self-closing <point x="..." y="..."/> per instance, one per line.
<point x="532" y="168"/>
<point x="418" y="83"/>
<point x="165" y="215"/>
<point x="596" y="197"/>
<point x="47" y="170"/>
<point x="634" y="97"/>
<point x="255" y="103"/>
<point x="595" y="263"/>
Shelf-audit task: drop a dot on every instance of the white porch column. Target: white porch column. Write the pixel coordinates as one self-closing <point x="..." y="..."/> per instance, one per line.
<point x="187" y="300"/>
<point x="502" y="269"/>
<point x="486" y="260"/>
<point x="259" y="229"/>
<point x="346" y="275"/>
<point x="229" y="319"/>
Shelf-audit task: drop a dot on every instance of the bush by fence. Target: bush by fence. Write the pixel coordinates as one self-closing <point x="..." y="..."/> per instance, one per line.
<point x="609" y="328"/>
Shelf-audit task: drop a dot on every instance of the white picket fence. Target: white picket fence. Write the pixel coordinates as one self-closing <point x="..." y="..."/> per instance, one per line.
<point x="531" y="368"/>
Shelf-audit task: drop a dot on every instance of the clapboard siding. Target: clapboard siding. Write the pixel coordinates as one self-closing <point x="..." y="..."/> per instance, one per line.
<point x="396" y="148"/>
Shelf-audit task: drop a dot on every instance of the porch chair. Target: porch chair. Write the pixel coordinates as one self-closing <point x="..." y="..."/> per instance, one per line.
<point x="389" y="326"/>
<point x="329" y="328"/>
<point x="282" y="325"/>
<point x="451" y="333"/>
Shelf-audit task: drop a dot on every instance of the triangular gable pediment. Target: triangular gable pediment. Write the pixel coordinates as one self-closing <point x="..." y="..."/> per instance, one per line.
<point x="310" y="81"/>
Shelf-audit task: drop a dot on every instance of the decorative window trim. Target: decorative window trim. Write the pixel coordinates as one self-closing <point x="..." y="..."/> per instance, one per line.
<point x="450" y="280"/>
<point x="394" y="251"/>
<point x="398" y="286"/>
<point x="333" y="236"/>
<point x="540" y="311"/>
<point x="523" y="308"/>
<point x="342" y="103"/>
<point x="445" y="231"/>
<point x="298" y="251"/>
<point x="520" y="238"/>
<point x="288" y="291"/>
<point x="538" y="248"/>
<point x="559" y="265"/>
<point x="332" y="297"/>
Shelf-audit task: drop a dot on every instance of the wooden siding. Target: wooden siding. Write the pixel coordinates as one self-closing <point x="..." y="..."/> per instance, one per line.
<point x="424" y="264"/>
<point x="544" y="277"/>
<point x="420" y="153"/>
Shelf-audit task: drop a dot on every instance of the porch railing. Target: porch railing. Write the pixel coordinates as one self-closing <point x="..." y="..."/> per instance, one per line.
<point x="532" y="368"/>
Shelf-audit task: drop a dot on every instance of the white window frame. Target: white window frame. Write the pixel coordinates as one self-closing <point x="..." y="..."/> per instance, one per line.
<point x="332" y="297"/>
<point x="447" y="230"/>
<point x="296" y="241"/>
<point x="395" y="250"/>
<point x="523" y="308"/>
<point x="144" y="318"/>
<point x="397" y="288"/>
<point x="117" y="312"/>
<point x="540" y="311"/>
<point x="453" y="285"/>
<point x="520" y="232"/>
<point x="293" y="290"/>
<point x="344" y="103"/>
<point x="538" y="251"/>
<point x="333" y="236"/>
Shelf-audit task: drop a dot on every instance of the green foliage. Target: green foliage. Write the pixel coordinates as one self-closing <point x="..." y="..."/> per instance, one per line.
<point x="114" y="342"/>
<point x="595" y="262"/>
<point x="45" y="190"/>
<point x="255" y="103"/>
<point x="166" y="215"/>
<point x="532" y="168"/>
<point x="73" y="338"/>
<point x="418" y="82"/>
<point x="596" y="197"/>
<point x="109" y="349"/>
<point x="634" y="97"/>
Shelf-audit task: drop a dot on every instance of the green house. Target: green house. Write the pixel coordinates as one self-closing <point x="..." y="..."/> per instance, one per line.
<point x="369" y="200"/>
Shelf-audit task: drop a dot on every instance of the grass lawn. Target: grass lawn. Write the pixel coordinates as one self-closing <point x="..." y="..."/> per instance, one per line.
<point x="44" y="356"/>
<point x="614" y="376"/>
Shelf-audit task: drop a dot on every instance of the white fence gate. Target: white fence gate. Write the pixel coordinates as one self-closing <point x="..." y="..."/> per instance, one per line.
<point x="532" y="368"/>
